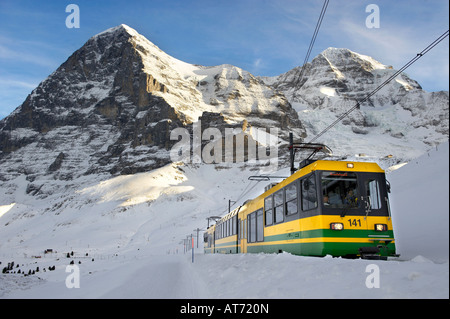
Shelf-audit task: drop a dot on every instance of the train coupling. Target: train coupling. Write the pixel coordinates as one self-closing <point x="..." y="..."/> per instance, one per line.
<point x="371" y="252"/>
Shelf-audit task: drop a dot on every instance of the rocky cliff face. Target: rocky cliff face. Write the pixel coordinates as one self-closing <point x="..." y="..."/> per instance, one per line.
<point x="110" y="109"/>
<point x="111" y="106"/>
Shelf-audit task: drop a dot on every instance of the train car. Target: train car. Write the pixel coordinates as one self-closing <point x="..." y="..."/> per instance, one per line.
<point x="337" y="208"/>
<point x="226" y="234"/>
<point x="208" y="240"/>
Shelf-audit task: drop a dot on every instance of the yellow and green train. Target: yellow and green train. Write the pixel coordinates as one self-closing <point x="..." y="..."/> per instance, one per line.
<point x="337" y="208"/>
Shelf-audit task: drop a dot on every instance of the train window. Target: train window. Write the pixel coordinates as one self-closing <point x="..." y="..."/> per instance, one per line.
<point x="278" y="204"/>
<point x="233" y="225"/>
<point x="291" y="198"/>
<point x="259" y="225"/>
<point x="255" y="223"/>
<point x="225" y="229"/>
<point x="373" y="194"/>
<point x="269" y="210"/>
<point x="225" y="226"/>
<point x="309" y="193"/>
<point x="248" y="228"/>
<point x="252" y="227"/>
<point x="340" y="190"/>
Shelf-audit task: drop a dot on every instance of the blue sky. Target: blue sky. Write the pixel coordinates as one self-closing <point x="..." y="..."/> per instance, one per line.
<point x="264" y="37"/>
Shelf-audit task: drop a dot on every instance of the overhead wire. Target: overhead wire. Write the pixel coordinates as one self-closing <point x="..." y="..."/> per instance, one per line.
<point x="308" y="53"/>
<point x="311" y="44"/>
<point x="243" y="193"/>
<point x="407" y="65"/>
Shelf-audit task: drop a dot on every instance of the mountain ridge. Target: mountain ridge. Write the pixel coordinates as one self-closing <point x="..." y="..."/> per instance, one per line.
<point x="110" y="108"/>
<point x="401" y="113"/>
<point x="116" y="100"/>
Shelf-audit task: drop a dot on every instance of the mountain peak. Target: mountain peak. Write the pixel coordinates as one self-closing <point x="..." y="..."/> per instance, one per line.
<point x="335" y="56"/>
<point x="121" y="28"/>
<point x="121" y="96"/>
<point x="116" y="100"/>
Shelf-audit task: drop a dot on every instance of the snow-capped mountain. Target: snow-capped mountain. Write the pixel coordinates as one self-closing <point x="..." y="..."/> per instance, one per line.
<point x="400" y="120"/>
<point x="112" y="105"/>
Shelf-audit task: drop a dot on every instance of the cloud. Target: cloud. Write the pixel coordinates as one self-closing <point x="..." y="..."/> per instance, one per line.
<point x="257" y="63"/>
<point x="397" y="44"/>
<point x="5" y="83"/>
<point x="381" y="42"/>
<point x="22" y="55"/>
<point x="14" y="92"/>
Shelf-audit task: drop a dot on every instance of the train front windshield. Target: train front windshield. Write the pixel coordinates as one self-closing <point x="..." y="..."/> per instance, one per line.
<point x="347" y="191"/>
<point x="340" y="190"/>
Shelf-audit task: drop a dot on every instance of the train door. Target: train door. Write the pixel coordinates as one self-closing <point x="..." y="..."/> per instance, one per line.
<point x="374" y="194"/>
<point x="236" y="232"/>
<point x="208" y="240"/>
<point x="242" y="235"/>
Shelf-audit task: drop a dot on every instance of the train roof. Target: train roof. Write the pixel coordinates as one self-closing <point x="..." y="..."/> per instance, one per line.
<point x="318" y="165"/>
<point x="322" y="165"/>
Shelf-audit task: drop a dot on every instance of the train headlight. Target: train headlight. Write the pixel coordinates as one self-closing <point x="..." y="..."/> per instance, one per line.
<point x="380" y="227"/>
<point x="336" y="226"/>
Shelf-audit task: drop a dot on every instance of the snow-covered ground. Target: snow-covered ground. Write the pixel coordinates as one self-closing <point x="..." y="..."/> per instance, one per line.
<point x="127" y="232"/>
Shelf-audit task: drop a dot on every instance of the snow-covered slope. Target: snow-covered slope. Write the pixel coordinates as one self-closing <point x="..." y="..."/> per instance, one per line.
<point x="420" y="205"/>
<point x="128" y="234"/>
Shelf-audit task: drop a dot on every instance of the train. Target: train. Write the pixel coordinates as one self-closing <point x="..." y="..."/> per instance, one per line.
<point x="325" y="207"/>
